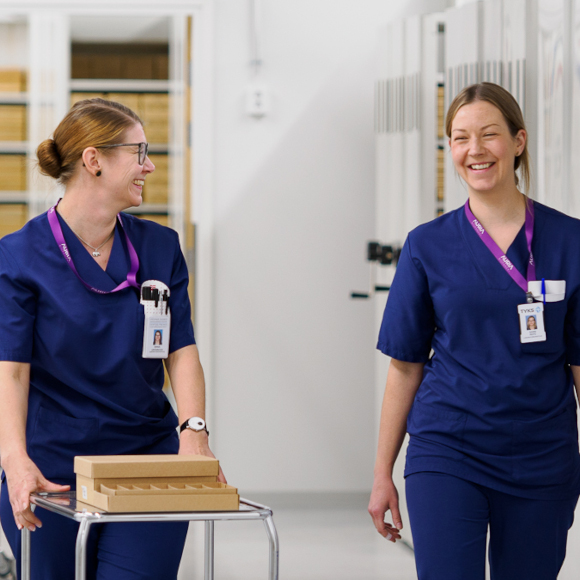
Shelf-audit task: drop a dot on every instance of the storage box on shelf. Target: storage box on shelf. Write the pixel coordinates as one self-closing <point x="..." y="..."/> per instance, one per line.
<point x="13" y="216"/>
<point x="12" y="123"/>
<point x="120" y="61"/>
<point x="162" y="219"/>
<point x="12" y="80"/>
<point x="12" y="172"/>
<point x="153" y="483"/>
<point x="156" y="183"/>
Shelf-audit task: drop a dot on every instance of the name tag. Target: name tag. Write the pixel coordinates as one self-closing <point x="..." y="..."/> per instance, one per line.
<point x="155" y="301"/>
<point x="532" y="322"/>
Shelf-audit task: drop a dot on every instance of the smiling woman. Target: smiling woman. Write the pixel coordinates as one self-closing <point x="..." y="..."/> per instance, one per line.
<point x="481" y="376"/>
<point x="75" y="376"/>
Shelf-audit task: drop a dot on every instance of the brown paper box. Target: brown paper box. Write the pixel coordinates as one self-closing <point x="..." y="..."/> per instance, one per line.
<point x="157" y="218"/>
<point x="153" y="483"/>
<point x="12" y="80"/>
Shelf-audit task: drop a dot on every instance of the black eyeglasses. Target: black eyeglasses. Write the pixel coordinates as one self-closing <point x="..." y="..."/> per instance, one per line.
<point x="141" y="154"/>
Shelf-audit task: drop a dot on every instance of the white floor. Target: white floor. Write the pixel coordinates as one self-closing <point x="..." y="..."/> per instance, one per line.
<point x="320" y="544"/>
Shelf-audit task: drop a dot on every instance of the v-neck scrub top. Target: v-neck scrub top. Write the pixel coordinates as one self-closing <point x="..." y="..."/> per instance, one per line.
<point x="91" y="391"/>
<point x="489" y="409"/>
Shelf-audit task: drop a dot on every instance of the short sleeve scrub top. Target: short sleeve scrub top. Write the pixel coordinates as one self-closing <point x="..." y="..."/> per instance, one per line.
<point x="91" y="390"/>
<point x="489" y="409"/>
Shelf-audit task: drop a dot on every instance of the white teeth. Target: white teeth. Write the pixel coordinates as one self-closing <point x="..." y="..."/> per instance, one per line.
<point x="481" y="166"/>
<point x="139" y="182"/>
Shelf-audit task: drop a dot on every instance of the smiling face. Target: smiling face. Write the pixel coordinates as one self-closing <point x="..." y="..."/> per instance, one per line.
<point x="483" y="149"/>
<point x="122" y="172"/>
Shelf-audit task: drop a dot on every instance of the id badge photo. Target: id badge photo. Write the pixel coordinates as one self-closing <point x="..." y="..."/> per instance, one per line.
<point x="532" y="322"/>
<point x="156" y="332"/>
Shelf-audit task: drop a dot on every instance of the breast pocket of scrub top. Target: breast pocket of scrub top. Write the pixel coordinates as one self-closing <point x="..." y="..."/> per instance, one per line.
<point x="441" y="428"/>
<point x="543" y="452"/>
<point x="57" y="438"/>
<point x="554" y="319"/>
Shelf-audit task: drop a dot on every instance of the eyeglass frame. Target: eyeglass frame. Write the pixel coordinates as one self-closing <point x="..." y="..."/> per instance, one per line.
<point x="131" y="145"/>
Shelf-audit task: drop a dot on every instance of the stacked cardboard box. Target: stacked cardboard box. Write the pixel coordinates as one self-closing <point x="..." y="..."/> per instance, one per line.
<point x="13" y="216"/>
<point x="155" y="114"/>
<point x="107" y="65"/>
<point x="12" y="172"/>
<point x="155" y="217"/>
<point x="12" y="123"/>
<point x="153" y="483"/>
<point x="157" y="183"/>
<point x="12" y="80"/>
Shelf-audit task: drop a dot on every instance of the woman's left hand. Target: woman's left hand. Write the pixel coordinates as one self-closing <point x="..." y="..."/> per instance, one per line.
<point x="192" y="443"/>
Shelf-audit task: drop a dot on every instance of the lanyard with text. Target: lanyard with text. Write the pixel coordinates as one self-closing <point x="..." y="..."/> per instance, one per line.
<point x="531" y="315"/>
<point x="497" y="252"/>
<point x="62" y="245"/>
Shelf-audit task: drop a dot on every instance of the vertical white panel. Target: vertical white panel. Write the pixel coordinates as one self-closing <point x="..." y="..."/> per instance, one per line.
<point x="574" y="205"/>
<point x="395" y="186"/>
<point x="514" y="15"/>
<point x="430" y="77"/>
<point x="462" y="51"/>
<point x="413" y="166"/>
<point x="49" y="73"/>
<point x="551" y="101"/>
<point x="177" y="126"/>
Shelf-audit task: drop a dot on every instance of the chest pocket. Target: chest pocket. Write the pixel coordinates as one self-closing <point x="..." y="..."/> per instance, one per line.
<point x="554" y="320"/>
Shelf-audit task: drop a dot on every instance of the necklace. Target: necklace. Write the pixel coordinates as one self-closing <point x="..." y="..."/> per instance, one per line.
<point x="96" y="252"/>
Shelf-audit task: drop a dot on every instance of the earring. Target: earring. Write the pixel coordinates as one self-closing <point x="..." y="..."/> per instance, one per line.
<point x="99" y="173"/>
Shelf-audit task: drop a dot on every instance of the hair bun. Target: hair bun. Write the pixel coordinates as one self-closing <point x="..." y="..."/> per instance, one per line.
<point x="49" y="160"/>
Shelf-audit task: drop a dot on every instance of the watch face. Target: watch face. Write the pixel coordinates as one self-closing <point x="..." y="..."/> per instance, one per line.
<point x="196" y="423"/>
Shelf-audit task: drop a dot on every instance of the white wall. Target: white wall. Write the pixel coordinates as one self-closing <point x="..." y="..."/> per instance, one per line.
<point x="293" y="380"/>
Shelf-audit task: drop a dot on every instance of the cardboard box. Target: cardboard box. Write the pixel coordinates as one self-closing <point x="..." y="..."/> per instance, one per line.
<point x="157" y="183"/>
<point x="12" y="172"/>
<point x="13" y="216"/>
<point x="12" y="123"/>
<point x="153" y="483"/>
<point x="131" y="100"/>
<point x="12" y="80"/>
<point x="161" y="219"/>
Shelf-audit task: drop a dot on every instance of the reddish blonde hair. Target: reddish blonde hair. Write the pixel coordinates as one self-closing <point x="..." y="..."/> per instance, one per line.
<point x="90" y="123"/>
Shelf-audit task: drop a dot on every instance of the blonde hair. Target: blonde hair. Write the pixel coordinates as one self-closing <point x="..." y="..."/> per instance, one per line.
<point x="90" y="123"/>
<point x="505" y="102"/>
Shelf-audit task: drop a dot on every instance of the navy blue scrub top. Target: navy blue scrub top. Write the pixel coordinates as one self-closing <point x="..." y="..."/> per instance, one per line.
<point x="91" y="391"/>
<point x="489" y="409"/>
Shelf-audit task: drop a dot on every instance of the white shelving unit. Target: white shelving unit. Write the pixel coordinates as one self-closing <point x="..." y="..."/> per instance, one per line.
<point x="120" y="85"/>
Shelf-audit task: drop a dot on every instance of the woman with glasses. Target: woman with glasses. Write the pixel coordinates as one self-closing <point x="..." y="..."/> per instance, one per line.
<point x="76" y="375"/>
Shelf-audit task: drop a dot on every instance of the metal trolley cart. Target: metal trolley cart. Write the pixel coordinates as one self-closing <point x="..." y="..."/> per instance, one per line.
<point x="66" y="505"/>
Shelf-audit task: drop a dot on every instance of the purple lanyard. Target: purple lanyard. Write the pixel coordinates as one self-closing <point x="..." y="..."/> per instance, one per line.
<point x="499" y="254"/>
<point x="59" y="237"/>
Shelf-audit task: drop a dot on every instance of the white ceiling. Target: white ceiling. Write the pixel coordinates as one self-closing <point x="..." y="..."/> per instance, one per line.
<point x="119" y="29"/>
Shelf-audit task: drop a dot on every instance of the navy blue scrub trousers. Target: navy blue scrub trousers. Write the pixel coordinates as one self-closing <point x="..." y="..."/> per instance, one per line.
<point x="450" y="519"/>
<point x="121" y="551"/>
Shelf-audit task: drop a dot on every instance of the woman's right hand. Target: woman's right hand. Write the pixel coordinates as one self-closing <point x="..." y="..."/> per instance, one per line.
<point x="24" y="478"/>
<point x="385" y="497"/>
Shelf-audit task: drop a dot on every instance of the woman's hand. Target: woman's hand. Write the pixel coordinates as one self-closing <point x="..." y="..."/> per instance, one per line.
<point x="385" y="497"/>
<point x="196" y="443"/>
<point x="24" y="478"/>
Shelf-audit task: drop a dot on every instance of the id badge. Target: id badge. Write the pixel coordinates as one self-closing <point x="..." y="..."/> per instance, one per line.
<point x="155" y="301"/>
<point x="532" y="322"/>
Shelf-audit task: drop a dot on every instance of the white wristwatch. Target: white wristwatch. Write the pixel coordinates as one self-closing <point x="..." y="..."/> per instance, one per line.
<point x="196" y="424"/>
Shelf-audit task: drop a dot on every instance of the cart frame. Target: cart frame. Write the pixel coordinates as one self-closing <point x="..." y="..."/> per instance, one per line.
<point x="65" y="504"/>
